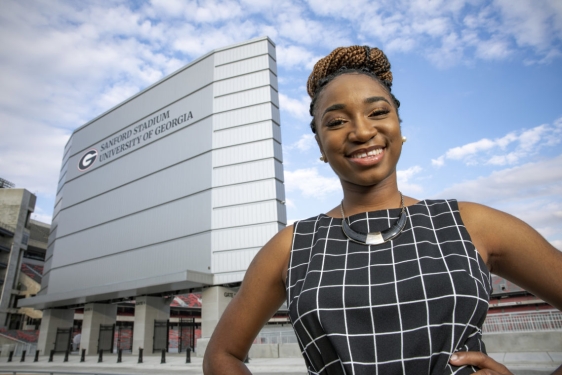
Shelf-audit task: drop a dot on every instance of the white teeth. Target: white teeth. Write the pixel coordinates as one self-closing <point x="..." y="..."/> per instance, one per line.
<point x="365" y="154"/>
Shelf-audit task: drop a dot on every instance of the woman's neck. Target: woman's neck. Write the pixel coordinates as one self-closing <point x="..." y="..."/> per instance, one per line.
<point x="384" y="195"/>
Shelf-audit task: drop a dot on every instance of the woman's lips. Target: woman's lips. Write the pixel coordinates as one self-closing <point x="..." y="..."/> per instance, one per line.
<point x="367" y="157"/>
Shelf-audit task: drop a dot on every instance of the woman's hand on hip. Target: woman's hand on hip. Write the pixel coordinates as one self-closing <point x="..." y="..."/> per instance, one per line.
<point x="486" y="364"/>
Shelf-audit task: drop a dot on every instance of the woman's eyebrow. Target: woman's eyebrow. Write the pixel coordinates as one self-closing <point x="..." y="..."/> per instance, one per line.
<point x="374" y="99"/>
<point x="334" y="107"/>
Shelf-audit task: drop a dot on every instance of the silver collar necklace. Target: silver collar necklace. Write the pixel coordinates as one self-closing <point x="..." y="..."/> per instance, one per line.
<point x="375" y="238"/>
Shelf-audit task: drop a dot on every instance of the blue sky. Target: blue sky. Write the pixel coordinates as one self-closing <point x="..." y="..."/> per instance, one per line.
<point x="480" y="84"/>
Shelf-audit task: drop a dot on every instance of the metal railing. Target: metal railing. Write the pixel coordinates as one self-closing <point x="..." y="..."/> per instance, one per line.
<point x="30" y="349"/>
<point x="523" y="322"/>
<point x="285" y="336"/>
<point x="5" y="184"/>
<point x="495" y="323"/>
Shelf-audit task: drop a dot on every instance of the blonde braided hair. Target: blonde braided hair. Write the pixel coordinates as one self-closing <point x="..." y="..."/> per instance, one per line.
<point x="359" y="59"/>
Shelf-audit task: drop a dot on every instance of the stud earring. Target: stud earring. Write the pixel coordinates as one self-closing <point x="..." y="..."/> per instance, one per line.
<point x="404" y="139"/>
<point x="322" y="158"/>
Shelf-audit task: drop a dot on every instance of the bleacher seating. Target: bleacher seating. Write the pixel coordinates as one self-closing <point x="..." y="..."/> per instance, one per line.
<point x="28" y="336"/>
<point x="189" y="300"/>
<point x="33" y="271"/>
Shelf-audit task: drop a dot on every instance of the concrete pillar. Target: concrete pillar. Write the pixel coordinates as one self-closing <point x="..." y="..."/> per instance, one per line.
<point x="53" y="319"/>
<point x="95" y="314"/>
<point x="213" y="303"/>
<point x="148" y="309"/>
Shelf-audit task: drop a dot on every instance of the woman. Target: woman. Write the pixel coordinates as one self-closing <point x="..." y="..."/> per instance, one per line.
<point x="382" y="283"/>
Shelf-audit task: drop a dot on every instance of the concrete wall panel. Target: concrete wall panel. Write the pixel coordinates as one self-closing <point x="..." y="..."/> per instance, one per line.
<point x="242" y="83"/>
<point x="271" y="51"/>
<point x="275" y="114"/>
<point x="248" y="214"/>
<point x="139" y="136"/>
<point x="185" y="216"/>
<point x="243" y="52"/>
<point x="243" y="116"/>
<point x="272" y="65"/>
<point x="241" y="67"/>
<point x="244" y="193"/>
<point x="252" y="171"/>
<point x="139" y="195"/>
<point x="187" y="143"/>
<point x="187" y="253"/>
<point x="244" y="153"/>
<point x="232" y="261"/>
<point x="244" y="98"/>
<point x="243" y="237"/>
<point x="274" y="95"/>
<point x="245" y="134"/>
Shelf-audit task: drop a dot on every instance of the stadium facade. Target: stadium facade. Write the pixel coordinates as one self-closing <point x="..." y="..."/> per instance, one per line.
<point x="175" y="189"/>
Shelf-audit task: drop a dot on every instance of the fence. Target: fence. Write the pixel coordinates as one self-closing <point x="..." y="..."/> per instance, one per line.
<point x="278" y="336"/>
<point x="30" y="350"/>
<point x="523" y="322"/>
<point x="495" y="323"/>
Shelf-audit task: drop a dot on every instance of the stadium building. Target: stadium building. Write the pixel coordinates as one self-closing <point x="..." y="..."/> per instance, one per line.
<point x="172" y="191"/>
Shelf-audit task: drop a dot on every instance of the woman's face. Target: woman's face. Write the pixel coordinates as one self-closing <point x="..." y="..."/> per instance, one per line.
<point x="358" y="130"/>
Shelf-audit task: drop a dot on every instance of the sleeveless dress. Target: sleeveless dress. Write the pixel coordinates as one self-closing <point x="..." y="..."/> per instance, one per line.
<point x="401" y="307"/>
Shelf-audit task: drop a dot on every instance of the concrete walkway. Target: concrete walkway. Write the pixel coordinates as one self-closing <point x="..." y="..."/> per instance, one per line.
<point x="518" y="363"/>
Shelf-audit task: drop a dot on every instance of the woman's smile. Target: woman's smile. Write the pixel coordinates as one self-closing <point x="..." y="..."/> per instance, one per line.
<point x="367" y="156"/>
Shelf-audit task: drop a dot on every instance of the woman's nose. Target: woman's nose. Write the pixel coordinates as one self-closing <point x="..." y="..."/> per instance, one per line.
<point x="363" y="131"/>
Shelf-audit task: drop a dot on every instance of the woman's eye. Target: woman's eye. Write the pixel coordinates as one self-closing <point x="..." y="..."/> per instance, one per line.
<point x="334" y="122"/>
<point x="379" y="112"/>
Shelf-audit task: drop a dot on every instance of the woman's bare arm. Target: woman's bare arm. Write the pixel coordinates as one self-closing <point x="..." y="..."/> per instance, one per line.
<point x="514" y="250"/>
<point x="259" y="297"/>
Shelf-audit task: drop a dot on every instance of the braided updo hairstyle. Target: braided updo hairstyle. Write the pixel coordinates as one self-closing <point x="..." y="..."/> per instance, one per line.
<point x="355" y="59"/>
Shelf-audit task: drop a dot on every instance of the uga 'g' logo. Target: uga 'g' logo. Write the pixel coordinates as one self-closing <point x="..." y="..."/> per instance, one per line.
<point x="87" y="160"/>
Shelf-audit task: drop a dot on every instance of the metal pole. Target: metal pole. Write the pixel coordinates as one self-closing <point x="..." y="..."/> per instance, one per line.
<point x="36" y="359"/>
<point x="188" y="355"/>
<point x="140" y="355"/>
<point x="83" y="356"/>
<point x="119" y="353"/>
<point x="10" y="356"/>
<point x="66" y="356"/>
<point x="51" y="355"/>
<point x="163" y="360"/>
<point x="23" y="356"/>
<point x="100" y="356"/>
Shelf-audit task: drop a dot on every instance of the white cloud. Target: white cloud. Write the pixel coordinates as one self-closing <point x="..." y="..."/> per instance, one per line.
<point x="470" y="149"/>
<point x="453" y="32"/>
<point x="289" y="202"/>
<point x="310" y="183"/>
<point x="31" y="154"/>
<point x="40" y="215"/>
<point x="305" y="142"/>
<point x="531" y="179"/>
<point x="297" y="108"/>
<point x="495" y="152"/>
<point x="404" y="180"/>
<point x="208" y="11"/>
<point x="532" y="192"/>
<point x="293" y="56"/>
<point x="531" y="23"/>
<point x="439" y="162"/>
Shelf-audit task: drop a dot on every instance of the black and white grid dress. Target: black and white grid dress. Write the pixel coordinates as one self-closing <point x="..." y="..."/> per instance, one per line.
<point x="402" y="307"/>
